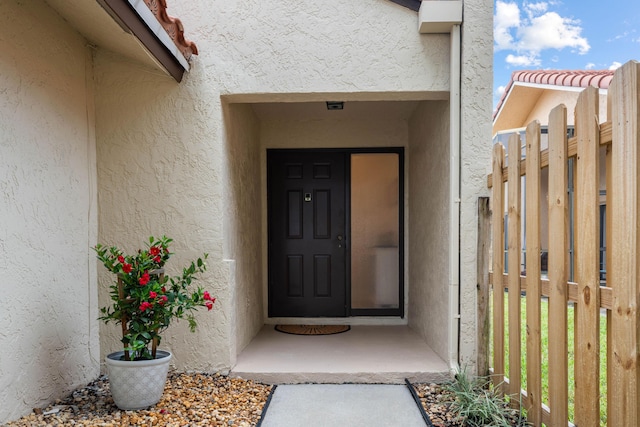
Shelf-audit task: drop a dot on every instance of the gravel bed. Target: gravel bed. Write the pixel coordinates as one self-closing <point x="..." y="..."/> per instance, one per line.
<point x="435" y="402"/>
<point x="188" y="400"/>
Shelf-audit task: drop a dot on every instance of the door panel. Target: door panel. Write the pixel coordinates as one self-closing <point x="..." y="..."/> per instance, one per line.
<point x="307" y="256"/>
<point x="375" y="233"/>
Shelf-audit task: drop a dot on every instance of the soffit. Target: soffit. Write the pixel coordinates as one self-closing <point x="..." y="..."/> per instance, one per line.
<point x="162" y="47"/>
<point x="410" y="4"/>
<point x="516" y="106"/>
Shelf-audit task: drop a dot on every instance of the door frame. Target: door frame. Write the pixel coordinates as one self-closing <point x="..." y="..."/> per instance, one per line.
<point x="373" y="312"/>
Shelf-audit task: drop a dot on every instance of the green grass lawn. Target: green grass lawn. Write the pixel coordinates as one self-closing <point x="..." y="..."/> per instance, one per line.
<point x="545" y="358"/>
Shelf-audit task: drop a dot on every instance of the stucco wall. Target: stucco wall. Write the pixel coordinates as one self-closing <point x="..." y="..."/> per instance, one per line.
<point x="429" y="224"/>
<point x="49" y="335"/>
<point x="334" y="133"/>
<point x="162" y="161"/>
<point x="551" y="98"/>
<point x="160" y="171"/>
<point x="243" y="220"/>
<point x="307" y="46"/>
<point x="476" y="105"/>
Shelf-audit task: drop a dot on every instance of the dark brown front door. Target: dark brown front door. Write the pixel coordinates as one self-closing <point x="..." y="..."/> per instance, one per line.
<point x="307" y="223"/>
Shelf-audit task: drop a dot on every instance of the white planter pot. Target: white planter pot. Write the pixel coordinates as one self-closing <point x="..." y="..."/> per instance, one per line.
<point x="137" y="384"/>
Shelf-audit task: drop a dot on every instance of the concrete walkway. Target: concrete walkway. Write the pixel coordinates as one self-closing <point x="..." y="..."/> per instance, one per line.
<point x="343" y="405"/>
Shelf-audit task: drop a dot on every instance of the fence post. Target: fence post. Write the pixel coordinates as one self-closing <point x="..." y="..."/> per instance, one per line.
<point x="497" y="206"/>
<point x="484" y="244"/>
<point x="558" y="265"/>
<point x="534" y="355"/>
<point x="587" y="336"/>
<point x="513" y="269"/>
<point x="623" y="274"/>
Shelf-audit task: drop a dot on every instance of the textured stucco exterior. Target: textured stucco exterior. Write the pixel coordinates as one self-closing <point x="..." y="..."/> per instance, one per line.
<point x="243" y="220"/>
<point x="99" y="147"/>
<point x="429" y="224"/>
<point x="48" y="326"/>
<point x="169" y="145"/>
<point x="475" y="159"/>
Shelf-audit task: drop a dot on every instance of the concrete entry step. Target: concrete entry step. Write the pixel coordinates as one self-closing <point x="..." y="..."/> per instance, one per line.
<point x="365" y="354"/>
<point x="353" y="405"/>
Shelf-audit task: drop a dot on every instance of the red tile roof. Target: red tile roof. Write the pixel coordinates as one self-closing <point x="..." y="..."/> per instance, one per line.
<point x="565" y="78"/>
<point x="572" y="78"/>
<point x="173" y="27"/>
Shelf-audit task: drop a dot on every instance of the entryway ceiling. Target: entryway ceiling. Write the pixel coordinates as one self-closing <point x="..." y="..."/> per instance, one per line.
<point x="371" y="110"/>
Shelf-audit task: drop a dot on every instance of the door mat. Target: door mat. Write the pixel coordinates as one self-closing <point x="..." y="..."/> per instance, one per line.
<point x="312" y="329"/>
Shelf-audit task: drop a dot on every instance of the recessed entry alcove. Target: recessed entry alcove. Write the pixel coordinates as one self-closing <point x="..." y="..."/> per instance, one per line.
<point x="338" y="215"/>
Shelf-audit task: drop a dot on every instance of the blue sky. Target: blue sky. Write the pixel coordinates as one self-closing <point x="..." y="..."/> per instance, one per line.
<point x="563" y="34"/>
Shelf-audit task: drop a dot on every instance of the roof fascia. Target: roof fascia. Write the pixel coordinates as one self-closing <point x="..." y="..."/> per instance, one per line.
<point x="555" y="87"/>
<point x="131" y="22"/>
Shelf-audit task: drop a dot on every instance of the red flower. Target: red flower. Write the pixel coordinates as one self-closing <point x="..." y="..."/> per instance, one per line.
<point x="126" y="268"/>
<point x="154" y="250"/>
<point x="144" y="279"/>
<point x="120" y="259"/>
<point x="207" y="296"/>
<point x="145" y="305"/>
<point x="209" y="305"/>
<point x="162" y="300"/>
<point x="152" y="294"/>
<point x="157" y="259"/>
<point x="163" y="289"/>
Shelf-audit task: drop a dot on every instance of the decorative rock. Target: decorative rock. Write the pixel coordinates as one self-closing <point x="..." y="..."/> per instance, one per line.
<point x="193" y="399"/>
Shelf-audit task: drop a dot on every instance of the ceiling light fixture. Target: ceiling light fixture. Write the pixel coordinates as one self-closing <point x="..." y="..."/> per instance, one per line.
<point x="335" y="105"/>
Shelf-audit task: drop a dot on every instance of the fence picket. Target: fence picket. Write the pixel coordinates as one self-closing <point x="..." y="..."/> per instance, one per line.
<point x="484" y="245"/>
<point x="623" y="271"/>
<point x="513" y="268"/>
<point x="498" y="266"/>
<point x="587" y="314"/>
<point x="534" y="371"/>
<point x="558" y="265"/>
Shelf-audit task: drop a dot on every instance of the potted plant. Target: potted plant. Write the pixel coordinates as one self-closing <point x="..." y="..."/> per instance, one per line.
<point x="144" y="301"/>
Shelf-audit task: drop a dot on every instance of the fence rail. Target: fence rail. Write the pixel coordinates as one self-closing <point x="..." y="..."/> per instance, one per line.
<point x="619" y="299"/>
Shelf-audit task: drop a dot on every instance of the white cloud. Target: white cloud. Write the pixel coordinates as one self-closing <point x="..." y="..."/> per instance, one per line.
<point x="551" y="31"/>
<point x="500" y="91"/>
<point x="590" y="66"/>
<point x="536" y="8"/>
<point x="539" y="30"/>
<point x="615" y="65"/>
<point x="507" y="17"/>
<point x="624" y="35"/>
<point x="522" y="60"/>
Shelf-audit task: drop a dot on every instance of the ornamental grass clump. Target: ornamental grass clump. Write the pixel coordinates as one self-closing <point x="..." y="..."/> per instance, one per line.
<point x="476" y="402"/>
<point x="144" y="300"/>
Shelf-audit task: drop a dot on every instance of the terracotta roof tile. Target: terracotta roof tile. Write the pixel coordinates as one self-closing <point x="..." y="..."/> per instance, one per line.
<point x="565" y="78"/>
<point x="572" y="78"/>
<point x="173" y="27"/>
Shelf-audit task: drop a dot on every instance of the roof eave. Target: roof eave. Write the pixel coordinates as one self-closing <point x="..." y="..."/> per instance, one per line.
<point x="141" y="22"/>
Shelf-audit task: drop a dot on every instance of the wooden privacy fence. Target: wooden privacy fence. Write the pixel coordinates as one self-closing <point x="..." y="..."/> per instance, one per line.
<point x="620" y="135"/>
